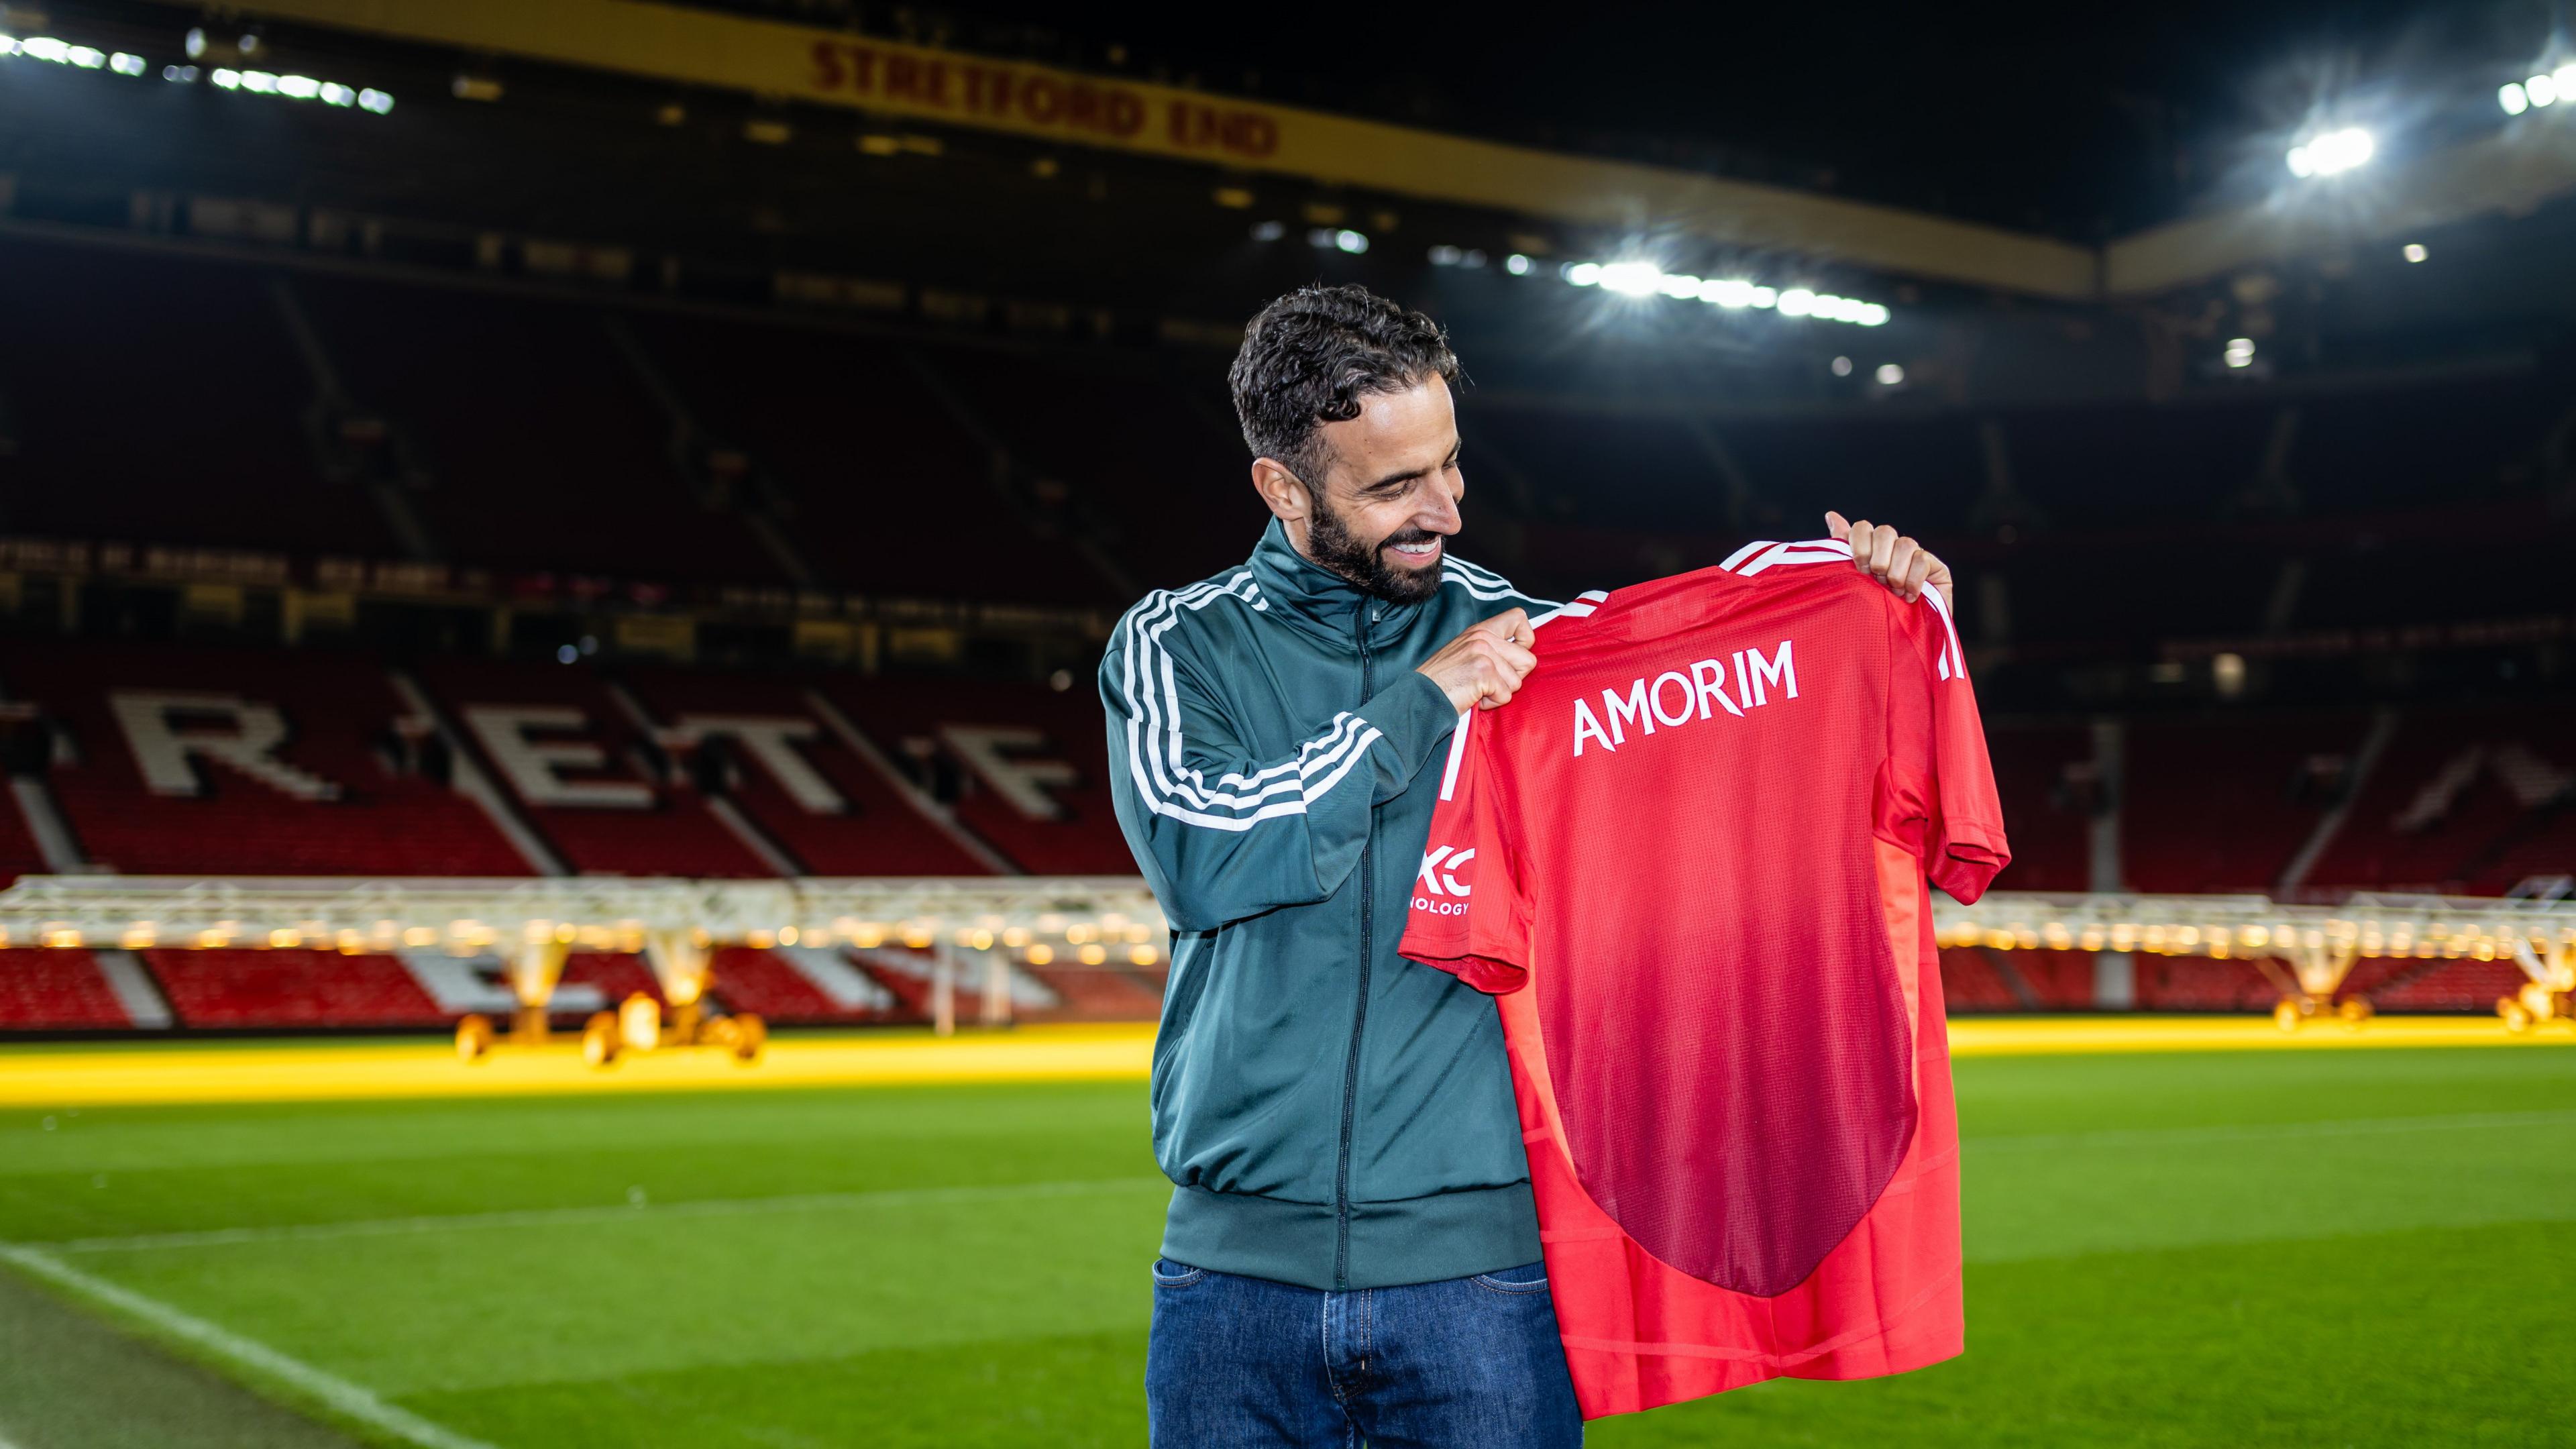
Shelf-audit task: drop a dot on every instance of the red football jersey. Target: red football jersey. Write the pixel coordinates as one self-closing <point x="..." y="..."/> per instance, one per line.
<point x="1689" y="859"/>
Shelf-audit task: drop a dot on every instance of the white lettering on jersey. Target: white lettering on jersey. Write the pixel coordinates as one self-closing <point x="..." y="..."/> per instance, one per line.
<point x="1694" y="696"/>
<point x="1433" y="877"/>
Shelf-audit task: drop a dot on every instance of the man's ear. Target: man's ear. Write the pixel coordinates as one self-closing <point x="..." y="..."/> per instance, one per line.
<point x="1283" y="491"/>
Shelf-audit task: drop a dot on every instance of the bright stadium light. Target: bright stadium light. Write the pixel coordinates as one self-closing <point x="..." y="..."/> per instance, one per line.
<point x="1583" y="274"/>
<point x="2239" y="353"/>
<point x="124" y="64"/>
<point x="2551" y="87"/>
<point x="1842" y="367"/>
<point x="1726" y="292"/>
<point x="196" y="41"/>
<point x="2513" y="98"/>
<point x="375" y="101"/>
<point x="2333" y="153"/>
<point x="1631" y="279"/>
<point x="2413" y="252"/>
<point x="1678" y="285"/>
<point x="1797" y="302"/>
<point x="1347" y="240"/>
<point x="1517" y="265"/>
<point x="1890" y="374"/>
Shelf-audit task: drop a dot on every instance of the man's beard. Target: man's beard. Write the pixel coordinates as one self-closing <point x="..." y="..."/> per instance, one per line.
<point x="1330" y="542"/>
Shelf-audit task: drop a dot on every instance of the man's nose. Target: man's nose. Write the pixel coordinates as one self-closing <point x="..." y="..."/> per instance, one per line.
<point x="1439" y="513"/>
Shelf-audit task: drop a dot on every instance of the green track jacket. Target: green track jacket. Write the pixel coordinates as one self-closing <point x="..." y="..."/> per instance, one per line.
<point x="1331" y="1115"/>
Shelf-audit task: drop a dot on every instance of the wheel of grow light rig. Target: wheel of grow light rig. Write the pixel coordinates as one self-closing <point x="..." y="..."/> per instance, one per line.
<point x="600" y="1041"/>
<point x="474" y="1037"/>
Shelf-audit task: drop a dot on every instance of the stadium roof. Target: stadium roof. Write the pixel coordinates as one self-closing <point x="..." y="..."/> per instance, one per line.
<point x="2449" y="178"/>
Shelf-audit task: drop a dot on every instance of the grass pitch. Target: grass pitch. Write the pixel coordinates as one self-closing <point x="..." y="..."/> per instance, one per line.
<point x="2229" y="1248"/>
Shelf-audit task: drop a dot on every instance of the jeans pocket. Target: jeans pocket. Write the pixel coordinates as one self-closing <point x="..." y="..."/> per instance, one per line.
<point x="1527" y="1278"/>
<point x="1168" y="1274"/>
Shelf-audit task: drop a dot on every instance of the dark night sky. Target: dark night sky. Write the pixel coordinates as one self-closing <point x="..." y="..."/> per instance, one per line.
<point x="2083" y="119"/>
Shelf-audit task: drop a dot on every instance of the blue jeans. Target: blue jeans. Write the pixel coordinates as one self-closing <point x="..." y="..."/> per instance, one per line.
<point x="1470" y="1363"/>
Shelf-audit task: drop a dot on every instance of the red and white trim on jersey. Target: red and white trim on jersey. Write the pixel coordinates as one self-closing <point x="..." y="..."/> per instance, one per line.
<point x="1580" y="606"/>
<point x="1754" y="557"/>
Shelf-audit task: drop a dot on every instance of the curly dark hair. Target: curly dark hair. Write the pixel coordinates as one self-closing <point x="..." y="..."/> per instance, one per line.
<point x="1311" y="356"/>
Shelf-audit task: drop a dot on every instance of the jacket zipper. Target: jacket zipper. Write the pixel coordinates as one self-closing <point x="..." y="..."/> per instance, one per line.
<point x="1359" y="1011"/>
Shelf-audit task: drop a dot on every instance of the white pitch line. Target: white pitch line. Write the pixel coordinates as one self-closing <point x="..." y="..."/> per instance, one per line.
<point x="341" y="1395"/>
<point x="2273" y="1132"/>
<point x="554" y="1217"/>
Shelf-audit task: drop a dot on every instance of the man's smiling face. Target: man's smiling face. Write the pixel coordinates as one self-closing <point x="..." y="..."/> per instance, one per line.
<point x="1387" y="504"/>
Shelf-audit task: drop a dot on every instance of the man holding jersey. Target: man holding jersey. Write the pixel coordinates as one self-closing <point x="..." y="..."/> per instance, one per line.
<point x="1352" y="1248"/>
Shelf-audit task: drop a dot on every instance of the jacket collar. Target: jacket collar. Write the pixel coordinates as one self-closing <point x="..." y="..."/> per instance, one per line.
<point x="1317" y="599"/>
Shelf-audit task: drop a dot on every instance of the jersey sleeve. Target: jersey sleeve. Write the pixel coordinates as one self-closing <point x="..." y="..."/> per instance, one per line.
<point x="1936" y="791"/>
<point x="1469" y="913"/>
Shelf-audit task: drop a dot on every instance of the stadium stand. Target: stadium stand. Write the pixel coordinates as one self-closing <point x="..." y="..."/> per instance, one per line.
<point x="587" y="775"/>
<point x="2469" y="799"/>
<point x="2039" y="775"/>
<point x="244" y="988"/>
<point x="199" y="440"/>
<point x="56" y="990"/>
<point x="149" y="768"/>
<point x="1023" y="767"/>
<point x="2223" y="805"/>
<point x="806" y="784"/>
<point x="544" y="450"/>
<point x="869" y="452"/>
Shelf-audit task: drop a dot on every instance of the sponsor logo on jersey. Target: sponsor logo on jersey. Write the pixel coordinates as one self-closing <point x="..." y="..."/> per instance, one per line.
<point x="1674" y="698"/>
<point x="1441" y="892"/>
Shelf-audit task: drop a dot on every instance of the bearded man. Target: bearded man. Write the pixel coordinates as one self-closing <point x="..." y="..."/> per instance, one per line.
<point x="1352" y="1250"/>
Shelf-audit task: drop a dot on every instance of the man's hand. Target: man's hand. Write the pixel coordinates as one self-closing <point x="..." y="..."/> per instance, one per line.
<point x="1483" y="666"/>
<point x="1893" y="559"/>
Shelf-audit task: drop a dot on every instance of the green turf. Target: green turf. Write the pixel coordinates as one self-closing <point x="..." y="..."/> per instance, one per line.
<point x="2292" y="1248"/>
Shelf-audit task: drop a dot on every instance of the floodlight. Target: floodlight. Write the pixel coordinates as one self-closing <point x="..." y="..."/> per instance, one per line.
<point x="2333" y="153"/>
<point x="45" y="47"/>
<point x="181" y="74"/>
<point x="336" y="94"/>
<point x="2414" y="252"/>
<point x="2513" y="98"/>
<point x="260" y="81"/>
<point x="1872" y="314"/>
<point x="226" y="80"/>
<point x="125" y="64"/>
<point x="1764" y="297"/>
<point x="1350" y="241"/>
<point x="1889" y="374"/>
<point x="196" y="41"/>
<point x="2544" y="90"/>
<point x="1269" y="231"/>
<point x="1797" y="302"/>
<point x="2239" y="353"/>
<point x="1842" y="367"/>
<point x="1445" y="256"/>
<point x="8" y="45"/>
<point x="1517" y="265"/>
<point x="375" y="100"/>
<point x="86" y="57"/>
<point x="298" y="87"/>
<point x="1677" y="285"/>
<point x="1631" y="279"/>
<point x="1583" y="274"/>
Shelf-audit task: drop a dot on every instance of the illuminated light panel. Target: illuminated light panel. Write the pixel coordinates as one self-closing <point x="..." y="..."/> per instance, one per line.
<point x="2335" y="152"/>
